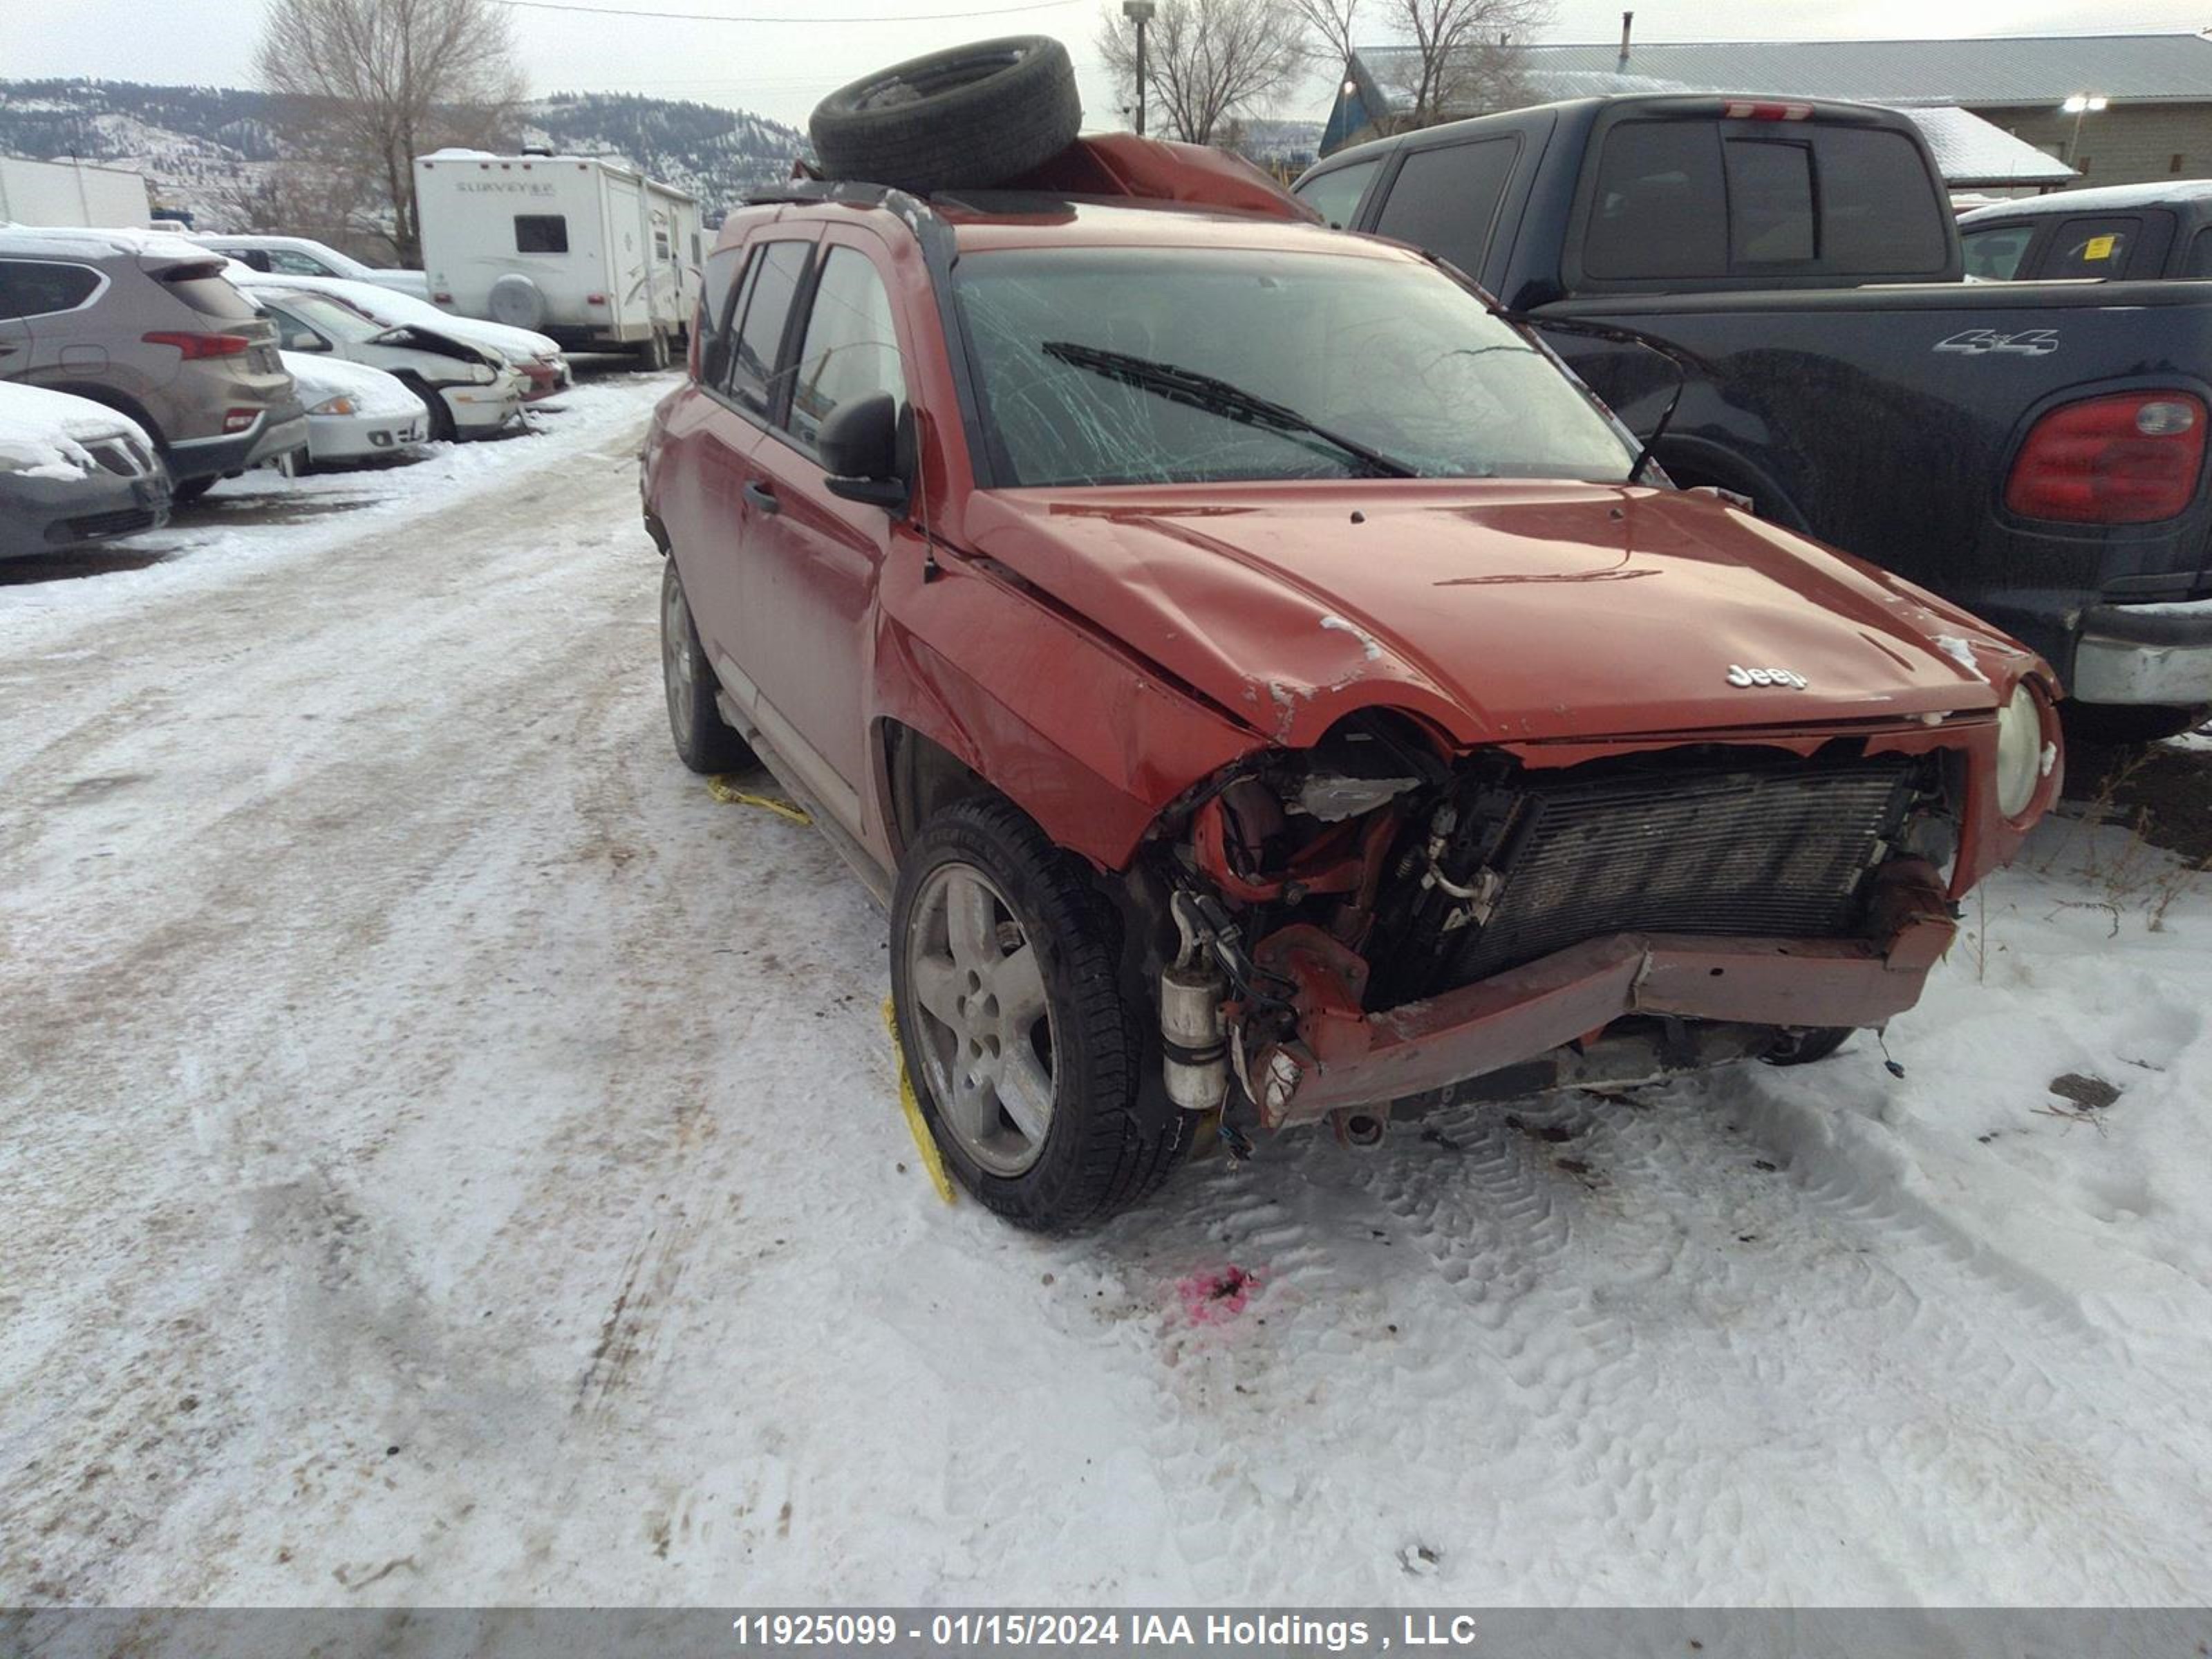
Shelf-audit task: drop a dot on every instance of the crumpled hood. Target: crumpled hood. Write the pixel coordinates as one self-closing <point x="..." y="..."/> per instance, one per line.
<point x="1505" y="611"/>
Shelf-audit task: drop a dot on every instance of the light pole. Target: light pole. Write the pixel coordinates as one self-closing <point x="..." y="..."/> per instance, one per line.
<point x="1138" y="12"/>
<point x="2080" y="103"/>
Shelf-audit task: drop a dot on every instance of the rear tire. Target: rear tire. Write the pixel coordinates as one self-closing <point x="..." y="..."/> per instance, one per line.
<point x="704" y="741"/>
<point x="1024" y="1056"/>
<point x="969" y="118"/>
<point x="653" y="354"/>
<point x="191" y="490"/>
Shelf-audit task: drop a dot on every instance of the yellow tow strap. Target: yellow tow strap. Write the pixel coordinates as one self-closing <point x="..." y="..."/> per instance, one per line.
<point x="725" y="789"/>
<point x="924" y="1142"/>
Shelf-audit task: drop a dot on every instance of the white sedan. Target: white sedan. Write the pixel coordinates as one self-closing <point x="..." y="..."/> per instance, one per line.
<point x="354" y="413"/>
<point x="302" y="255"/>
<point x="530" y="353"/>
<point x="468" y="393"/>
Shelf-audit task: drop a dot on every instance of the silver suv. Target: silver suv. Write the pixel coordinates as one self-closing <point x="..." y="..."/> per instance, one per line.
<point x="146" y="324"/>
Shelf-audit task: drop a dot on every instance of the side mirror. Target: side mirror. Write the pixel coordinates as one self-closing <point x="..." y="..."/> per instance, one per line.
<point x="713" y="360"/>
<point x="860" y="448"/>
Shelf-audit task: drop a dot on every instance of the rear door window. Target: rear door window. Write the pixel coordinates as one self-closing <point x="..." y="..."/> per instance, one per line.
<point x="2091" y="247"/>
<point x="1993" y="251"/>
<point x="716" y="282"/>
<point x="1445" y="200"/>
<point x="38" y="288"/>
<point x="769" y="289"/>
<point x="1335" y="196"/>
<point x="851" y="347"/>
<point x="541" y="233"/>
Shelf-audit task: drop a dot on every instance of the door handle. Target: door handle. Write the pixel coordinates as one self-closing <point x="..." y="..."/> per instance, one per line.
<point x="760" y="495"/>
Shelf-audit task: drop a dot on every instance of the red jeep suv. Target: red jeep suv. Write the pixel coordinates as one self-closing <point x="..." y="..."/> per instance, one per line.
<point x="1265" y="688"/>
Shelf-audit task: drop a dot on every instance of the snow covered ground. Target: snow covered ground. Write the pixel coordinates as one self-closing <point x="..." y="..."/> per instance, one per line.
<point x="450" y="1158"/>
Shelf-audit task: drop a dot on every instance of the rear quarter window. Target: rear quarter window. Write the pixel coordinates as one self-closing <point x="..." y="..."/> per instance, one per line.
<point x="2199" y="262"/>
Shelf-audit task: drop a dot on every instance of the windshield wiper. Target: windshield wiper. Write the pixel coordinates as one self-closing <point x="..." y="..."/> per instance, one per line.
<point x="1189" y="387"/>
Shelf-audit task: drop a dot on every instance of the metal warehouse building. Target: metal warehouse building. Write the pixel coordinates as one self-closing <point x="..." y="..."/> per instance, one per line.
<point x="2109" y="108"/>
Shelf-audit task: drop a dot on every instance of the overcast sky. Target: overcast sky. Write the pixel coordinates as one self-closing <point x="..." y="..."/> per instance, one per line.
<point x="780" y="68"/>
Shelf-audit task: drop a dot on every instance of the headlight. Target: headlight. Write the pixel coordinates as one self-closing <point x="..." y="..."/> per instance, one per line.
<point x="2020" y="750"/>
<point x="340" y="405"/>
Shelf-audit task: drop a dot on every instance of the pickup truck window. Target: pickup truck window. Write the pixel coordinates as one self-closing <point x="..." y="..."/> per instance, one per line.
<point x="1116" y="366"/>
<point x="2091" y="247"/>
<point x="1881" y="214"/>
<point x="1335" y="196"/>
<point x="1993" y="251"/>
<point x="1769" y="189"/>
<point x="769" y="292"/>
<point x="1661" y="210"/>
<point x="1674" y="200"/>
<point x="1446" y="199"/>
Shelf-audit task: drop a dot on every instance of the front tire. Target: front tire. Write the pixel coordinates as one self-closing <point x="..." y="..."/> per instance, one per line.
<point x="442" y="430"/>
<point x="704" y="741"/>
<point x="1024" y="1055"/>
<point x="1806" y="1047"/>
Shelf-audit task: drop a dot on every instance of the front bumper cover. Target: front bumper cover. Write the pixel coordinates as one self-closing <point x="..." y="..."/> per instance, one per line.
<point x="1342" y="1057"/>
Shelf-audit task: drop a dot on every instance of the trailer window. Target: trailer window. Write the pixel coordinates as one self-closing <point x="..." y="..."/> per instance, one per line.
<point x="541" y="233"/>
<point x="851" y="348"/>
<point x="31" y="288"/>
<point x="769" y="289"/>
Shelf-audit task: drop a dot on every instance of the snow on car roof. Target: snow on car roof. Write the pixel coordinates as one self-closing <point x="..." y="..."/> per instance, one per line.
<point x="98" y="242"/>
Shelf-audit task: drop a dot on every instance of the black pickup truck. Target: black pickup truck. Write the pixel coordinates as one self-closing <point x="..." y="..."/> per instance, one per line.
<point x="2119" y="233"/>
<point x="2031" y="450"/>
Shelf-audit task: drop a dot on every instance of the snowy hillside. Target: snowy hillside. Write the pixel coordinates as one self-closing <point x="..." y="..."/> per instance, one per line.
<point x="204" y="149"/>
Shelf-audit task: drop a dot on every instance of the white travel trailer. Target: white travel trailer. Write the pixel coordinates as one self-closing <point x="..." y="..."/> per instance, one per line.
<point x="71" y="193"/>
<point x="590" y="252"/>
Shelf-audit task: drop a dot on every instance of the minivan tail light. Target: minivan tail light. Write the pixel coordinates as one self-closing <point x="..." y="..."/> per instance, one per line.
<point x="2132" y="458"/>
<point x="201" y="345"/>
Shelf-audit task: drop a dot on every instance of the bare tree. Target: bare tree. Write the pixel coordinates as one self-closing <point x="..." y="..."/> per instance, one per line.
<point x="1206" y="61"/>
<point x="374" y="83"/>
<point x="1464" y="58"/>
<point x="1332" y="30"/>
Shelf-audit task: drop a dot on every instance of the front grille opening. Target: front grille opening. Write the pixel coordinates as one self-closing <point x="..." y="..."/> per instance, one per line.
<point x="1711" y="841"/>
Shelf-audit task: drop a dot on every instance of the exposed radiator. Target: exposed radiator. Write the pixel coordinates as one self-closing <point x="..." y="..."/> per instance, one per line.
<point x="1776" y="854"/>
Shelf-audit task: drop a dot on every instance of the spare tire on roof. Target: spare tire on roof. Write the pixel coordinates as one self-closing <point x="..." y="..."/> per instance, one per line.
<point x="968" y="118"/>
